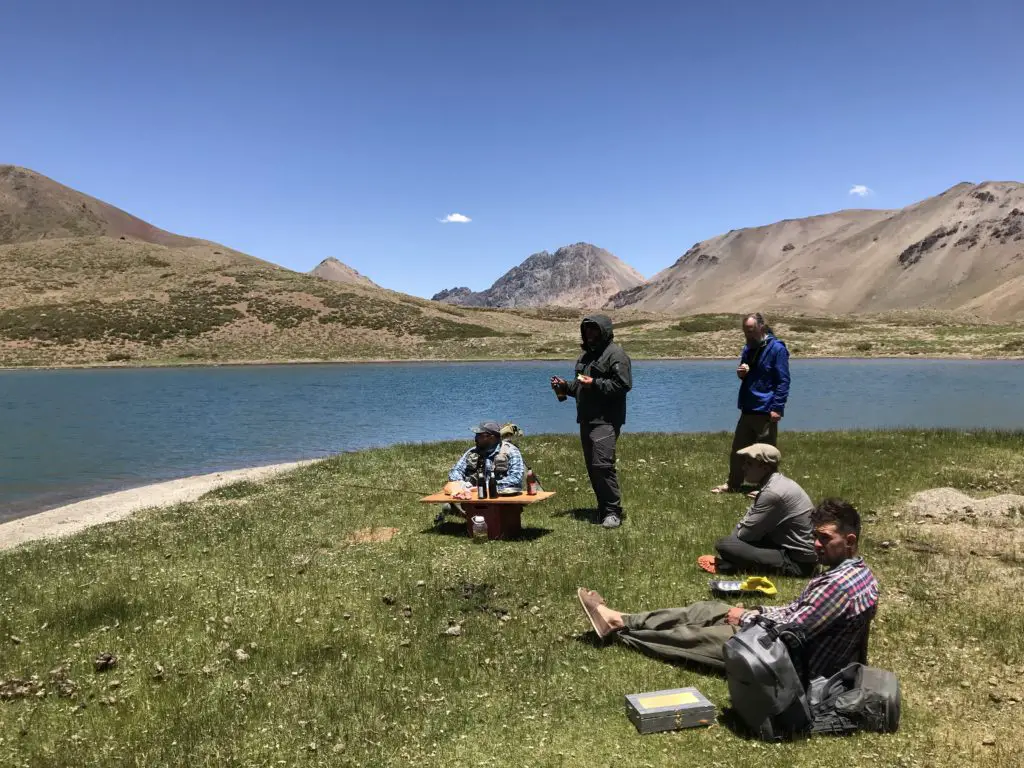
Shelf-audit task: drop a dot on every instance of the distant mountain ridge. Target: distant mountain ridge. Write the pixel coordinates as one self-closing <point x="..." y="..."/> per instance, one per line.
<point x="85" y="282"/>
<point x="580" y="275"/>
<point x="960" y="250"/>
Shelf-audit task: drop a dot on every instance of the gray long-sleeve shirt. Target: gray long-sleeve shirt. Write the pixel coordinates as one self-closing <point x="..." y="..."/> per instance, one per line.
<point x="781" y="515"/>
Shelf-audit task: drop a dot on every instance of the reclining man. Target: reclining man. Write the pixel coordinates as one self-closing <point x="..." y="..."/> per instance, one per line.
<point x="834" y="610"/>
<point x="495" y="455"/>
<point x="775" y="535"/>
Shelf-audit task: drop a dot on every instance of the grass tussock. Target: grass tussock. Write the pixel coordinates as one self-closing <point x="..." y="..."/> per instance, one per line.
<point x="290" y="623"/>
<point x="708" y="323"/>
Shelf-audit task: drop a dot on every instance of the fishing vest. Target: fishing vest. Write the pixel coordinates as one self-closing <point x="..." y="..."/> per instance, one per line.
<point x="474" y="462"/>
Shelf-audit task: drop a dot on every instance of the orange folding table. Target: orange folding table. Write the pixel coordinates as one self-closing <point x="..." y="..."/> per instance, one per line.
<point x="503" y="514"/>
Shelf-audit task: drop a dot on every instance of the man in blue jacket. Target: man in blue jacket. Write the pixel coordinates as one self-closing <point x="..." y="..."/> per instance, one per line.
<point x="764" y="388"/>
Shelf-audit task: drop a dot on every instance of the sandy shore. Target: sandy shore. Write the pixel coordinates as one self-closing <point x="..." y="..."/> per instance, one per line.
<point x="72" y="518"/>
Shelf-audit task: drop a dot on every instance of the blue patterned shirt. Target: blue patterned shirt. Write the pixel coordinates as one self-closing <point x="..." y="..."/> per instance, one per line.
<point x="516" y="468"/>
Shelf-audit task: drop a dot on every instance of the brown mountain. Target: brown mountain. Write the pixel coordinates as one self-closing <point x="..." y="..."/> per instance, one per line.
<point x="332" y="269"/>
<point x="580" y="275"/>
<point x="34" y="207"/>
<point x="960" y="250"/>
<point x="82" y="281"/>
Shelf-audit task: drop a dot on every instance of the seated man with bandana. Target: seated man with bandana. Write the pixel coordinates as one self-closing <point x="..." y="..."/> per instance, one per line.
<point x="494" y="454"/>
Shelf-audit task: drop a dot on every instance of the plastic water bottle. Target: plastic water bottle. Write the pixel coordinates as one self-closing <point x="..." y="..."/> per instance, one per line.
<point x="479" y="529"/>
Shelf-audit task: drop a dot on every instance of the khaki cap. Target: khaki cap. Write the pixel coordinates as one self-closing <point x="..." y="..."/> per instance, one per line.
<point x="766" y="454"/>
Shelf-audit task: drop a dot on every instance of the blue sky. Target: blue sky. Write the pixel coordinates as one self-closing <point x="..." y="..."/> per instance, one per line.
<point x="300" y="130"/>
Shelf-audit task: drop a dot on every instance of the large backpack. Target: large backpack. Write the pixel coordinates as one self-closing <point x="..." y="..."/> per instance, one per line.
<point x="856" y="698"/>
<point x="767" y="689"/>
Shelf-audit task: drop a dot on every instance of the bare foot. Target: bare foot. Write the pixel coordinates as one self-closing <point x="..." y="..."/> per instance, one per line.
<point x="723" y="488"/>
<point x="614" y="618"/>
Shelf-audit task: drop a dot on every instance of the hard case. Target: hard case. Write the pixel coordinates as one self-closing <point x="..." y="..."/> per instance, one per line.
<point x="669" y="710"/>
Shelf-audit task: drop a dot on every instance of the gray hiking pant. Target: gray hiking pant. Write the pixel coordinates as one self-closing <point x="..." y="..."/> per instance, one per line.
<point x="599" y="454"/>
<point x="696" y="633"/>
<point x="763" y="558"/>
<point x="751" y="428"/>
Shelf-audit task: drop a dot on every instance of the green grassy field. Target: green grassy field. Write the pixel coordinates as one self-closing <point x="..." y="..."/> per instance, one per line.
<point x="259" y="627"/>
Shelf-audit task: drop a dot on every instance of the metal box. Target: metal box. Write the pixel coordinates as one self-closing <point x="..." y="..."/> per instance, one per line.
<point x="669" y="710"/>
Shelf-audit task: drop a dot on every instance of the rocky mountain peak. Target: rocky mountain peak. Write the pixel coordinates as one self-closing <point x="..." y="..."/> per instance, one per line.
<point x="580" y="275"/>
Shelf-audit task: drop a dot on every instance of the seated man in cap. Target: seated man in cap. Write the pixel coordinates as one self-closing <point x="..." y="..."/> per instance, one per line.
<point x="834" y="610"/>
<point x="775" y="534"/>
<point x="494" y="456"/>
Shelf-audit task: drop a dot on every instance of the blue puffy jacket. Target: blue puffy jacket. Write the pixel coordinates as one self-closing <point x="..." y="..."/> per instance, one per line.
<point x="766" y="387"/>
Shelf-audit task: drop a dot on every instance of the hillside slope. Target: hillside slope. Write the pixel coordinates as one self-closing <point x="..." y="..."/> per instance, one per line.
<point x="82" y="281"/>
<point x="960" y="250"/>
<point x="34" y="207"/>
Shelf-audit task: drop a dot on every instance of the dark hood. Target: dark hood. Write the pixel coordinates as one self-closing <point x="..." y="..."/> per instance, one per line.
<point x="604" y="323"/>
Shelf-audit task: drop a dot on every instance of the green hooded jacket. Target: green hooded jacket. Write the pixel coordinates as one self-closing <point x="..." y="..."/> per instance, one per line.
<point x="604" y="402"/>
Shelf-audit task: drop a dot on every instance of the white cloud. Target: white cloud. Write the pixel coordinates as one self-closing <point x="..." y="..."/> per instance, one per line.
<point x="455" y="218"/>
<point x="861" y="191"/>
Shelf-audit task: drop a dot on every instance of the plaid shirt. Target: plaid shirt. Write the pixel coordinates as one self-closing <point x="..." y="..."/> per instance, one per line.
<point x="835" y="610"/>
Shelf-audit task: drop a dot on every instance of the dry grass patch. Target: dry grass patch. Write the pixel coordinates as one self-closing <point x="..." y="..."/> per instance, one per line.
<point x="372" y="535"/>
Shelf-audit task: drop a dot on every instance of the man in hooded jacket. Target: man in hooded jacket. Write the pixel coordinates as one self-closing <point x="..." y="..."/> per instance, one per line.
<point x="603" y="377"/>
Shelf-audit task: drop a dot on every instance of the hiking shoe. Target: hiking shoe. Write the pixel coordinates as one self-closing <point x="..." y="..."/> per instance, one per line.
<point x="611" y="520"/>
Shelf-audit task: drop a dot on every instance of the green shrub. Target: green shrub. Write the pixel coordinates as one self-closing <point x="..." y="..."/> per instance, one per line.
<point x="803" y="324"/>
<point x="630" y="323"/>
<point x="184" y="315"/>
<point x="277" y="314"/>
<point x="239" y="490"/>
<point x="358" y="311"/>
<point x="708" y="323"/>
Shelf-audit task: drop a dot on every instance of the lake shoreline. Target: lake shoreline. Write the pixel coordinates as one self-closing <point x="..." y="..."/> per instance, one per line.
<point x="467" y="360"/>
<point x="74" y="435"/>
<point x="69" y="519"/>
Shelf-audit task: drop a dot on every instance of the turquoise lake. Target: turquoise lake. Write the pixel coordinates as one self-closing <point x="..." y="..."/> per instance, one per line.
<point x="71" y="434"/>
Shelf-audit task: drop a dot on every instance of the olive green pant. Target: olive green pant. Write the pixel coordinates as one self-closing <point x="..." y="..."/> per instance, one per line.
<point x="696" y="633"/>
<point x="751" y="428"/>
